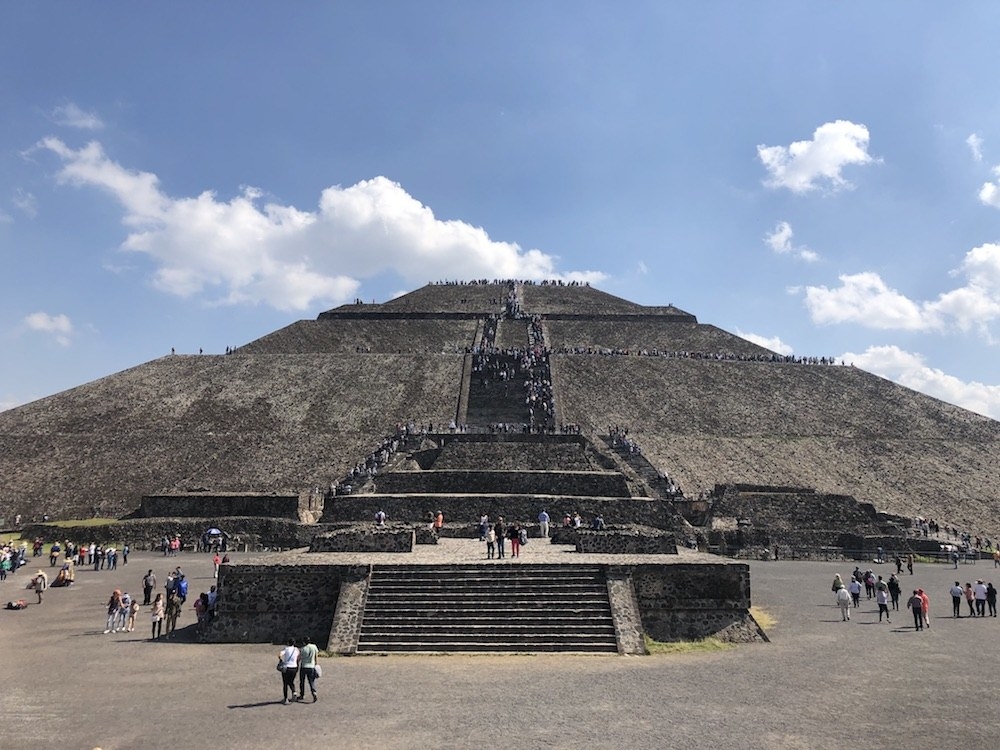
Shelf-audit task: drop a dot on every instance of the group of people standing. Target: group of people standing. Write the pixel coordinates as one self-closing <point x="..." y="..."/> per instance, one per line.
<point x="496" y="536"/>
<point x="977" y="597"/>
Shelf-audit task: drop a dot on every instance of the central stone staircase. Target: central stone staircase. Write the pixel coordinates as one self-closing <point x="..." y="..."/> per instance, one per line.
<point x="496" y="607"/>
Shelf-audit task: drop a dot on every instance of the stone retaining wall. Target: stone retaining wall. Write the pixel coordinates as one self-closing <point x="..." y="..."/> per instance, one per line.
<point x="466" y="508"/>
<point x="305" y="508"/>
<point x="269" y="602"/>
<point x="626" y="541"/>
<point x="573" y="483"/>
<point x="692" y="601"/>
<point x="145" y="534"/>
<point x="365" y="539"/>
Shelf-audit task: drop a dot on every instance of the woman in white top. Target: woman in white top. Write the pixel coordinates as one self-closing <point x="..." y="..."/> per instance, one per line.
<point x="288" y="661"/>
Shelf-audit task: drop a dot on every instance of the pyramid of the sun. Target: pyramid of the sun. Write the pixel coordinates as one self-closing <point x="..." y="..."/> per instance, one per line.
<point x="299" y="407"/>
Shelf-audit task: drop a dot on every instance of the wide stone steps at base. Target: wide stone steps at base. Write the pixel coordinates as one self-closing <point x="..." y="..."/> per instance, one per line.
<point x="487" y="608"/>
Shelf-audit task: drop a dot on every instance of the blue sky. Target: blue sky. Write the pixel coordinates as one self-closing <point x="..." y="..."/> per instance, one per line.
<point x="823" y="178"/>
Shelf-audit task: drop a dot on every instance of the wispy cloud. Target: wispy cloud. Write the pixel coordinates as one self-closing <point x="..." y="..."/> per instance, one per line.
<point x="975" y="144"/>
<point x="249" y="250"/>
<point x="780" y="241"/>
<point x="73" y="116"/>
<point x="804" y="166"/>
<point x="25" y="202"/>
<point x="910" y="370"/>
<point x="58" y="326"/>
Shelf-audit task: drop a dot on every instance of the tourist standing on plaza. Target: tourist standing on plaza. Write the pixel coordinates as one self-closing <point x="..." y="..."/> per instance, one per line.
<point x="158" y="612"/>
<point x="288" y="663"/>
<point x="148" y="584"/>
<point x="500" y="529"/>
<point x="980" y="593"/>
<point x="916" y="605"/>
<point x="991" y="599"/>
<point x="543" y="524"/>
<point x="491" y="542"/>
<point x="39" y="583"/>
<point x="957" y="592"/>
<point x="307" y="667"/>
<point x="970" y="599"/>
<point x="514" y="534"/>
<point x="844" y="599"/>
<point x="133" y="610"/>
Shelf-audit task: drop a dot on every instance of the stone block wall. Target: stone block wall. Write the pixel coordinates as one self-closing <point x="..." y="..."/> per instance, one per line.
<point x="270" y="603"/>
<point x="465" y="508"/>
<point x="210" y="504"/>
<point x="573" y="483"/>
<point x="691" y="601"/>
<point x="626" y="541"/>
<point x="365" y="539"/>
<point x="145" y="533"/>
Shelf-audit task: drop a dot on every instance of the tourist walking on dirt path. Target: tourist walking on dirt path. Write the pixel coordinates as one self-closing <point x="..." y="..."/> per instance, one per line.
<point x="882" y="599"/>
<point x="895" y="590"/>
<point x="970" y="599"/>
<point x="991" y="599"/>
<point x="909" y="564"/>
<point x="39" y="583"/>
<point x="308" y="652"/>
<point x="916" y="605"/>
<point x="854" y="587"/>
<point x="925" y="608"/>
<point x="288" y="663"/>
<point x="844" y="599"/>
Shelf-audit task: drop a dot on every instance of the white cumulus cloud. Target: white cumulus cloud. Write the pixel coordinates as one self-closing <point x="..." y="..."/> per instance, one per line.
<point x="780" y="241"/>
<point x="910" y="370"/>
<point x="73" y="116"/>
<point x="865" y="299"/>
<point x="989" y="193"/>
<point x="774" y="343"/>
<point x="59" y="326"/>
<point x="249" y="250"/>
<point x="975" y="144"/>
<point x="805" y="166"/>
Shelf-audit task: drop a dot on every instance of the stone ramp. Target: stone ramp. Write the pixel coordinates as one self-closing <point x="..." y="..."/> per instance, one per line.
<point x="495" y="607"/>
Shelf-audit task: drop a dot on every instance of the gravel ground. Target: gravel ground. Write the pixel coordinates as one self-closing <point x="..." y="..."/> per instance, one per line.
<point x="820" y="683"/>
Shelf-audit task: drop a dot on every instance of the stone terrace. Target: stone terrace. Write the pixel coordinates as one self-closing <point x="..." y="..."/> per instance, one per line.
<point x="584" y="301"/>
<point x="667" y="334"/>
<point x="375" y="336"/>
<point x="837" y="429"/>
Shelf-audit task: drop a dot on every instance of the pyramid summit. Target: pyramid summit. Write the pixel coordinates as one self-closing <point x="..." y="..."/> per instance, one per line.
<point x="297" y="409"/>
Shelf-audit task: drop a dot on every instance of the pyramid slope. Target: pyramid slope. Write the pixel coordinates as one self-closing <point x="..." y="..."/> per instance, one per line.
<point x="227" y="423"/>
<point x="837" y="429"/>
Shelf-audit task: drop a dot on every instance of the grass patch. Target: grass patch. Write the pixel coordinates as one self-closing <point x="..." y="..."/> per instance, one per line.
<point x="84" y="522"/>
<point x="764" y="618"/>
<point x="702" y="645"/>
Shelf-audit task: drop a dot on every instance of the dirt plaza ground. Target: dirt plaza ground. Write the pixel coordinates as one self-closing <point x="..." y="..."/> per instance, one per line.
<point x="820" y="683"/>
